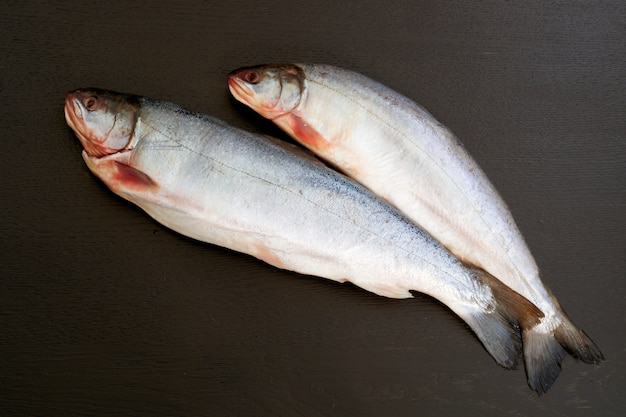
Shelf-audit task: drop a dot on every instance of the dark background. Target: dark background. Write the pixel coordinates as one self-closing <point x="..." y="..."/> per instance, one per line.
<point x="104" y="312"/>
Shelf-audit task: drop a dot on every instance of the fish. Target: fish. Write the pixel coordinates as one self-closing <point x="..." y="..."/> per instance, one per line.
<point x="253" y="194"/>
<point x="399" y="151"/>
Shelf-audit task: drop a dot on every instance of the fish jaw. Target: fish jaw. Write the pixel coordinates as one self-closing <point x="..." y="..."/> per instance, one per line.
<point x="241" y="91"/>
<point x="91" y="141"/>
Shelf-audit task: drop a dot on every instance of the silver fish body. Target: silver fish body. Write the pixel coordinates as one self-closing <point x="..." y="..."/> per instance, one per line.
<point x="403" y="154"/>
<point x="213" y="182"/>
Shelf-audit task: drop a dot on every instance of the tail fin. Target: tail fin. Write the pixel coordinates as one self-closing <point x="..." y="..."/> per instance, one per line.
<point x="543" y="355"/>
<point x="577" y="343"/>
<point x="544" y="350"/>
<point x="499" y="327"/>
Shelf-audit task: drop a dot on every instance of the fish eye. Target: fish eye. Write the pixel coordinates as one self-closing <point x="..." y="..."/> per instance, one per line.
<point x="252" y="77"/>
<point x="90" y="103"/>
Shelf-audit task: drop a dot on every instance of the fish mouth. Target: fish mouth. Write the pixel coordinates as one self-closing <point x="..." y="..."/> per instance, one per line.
<point x="238" y="88"/>
<point x="242" y="91"/>
<point x="72" y="110"/>
<point x="74" y="116"/>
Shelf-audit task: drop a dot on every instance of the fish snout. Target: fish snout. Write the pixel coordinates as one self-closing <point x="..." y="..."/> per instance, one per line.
<point x="73" y="106"/>
<point x="238" y="87"/>
<point x="76" y="118"/>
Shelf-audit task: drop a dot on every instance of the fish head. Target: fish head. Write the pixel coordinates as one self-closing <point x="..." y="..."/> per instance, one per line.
<point x="103" y="121"/>
<point x="270" y="90"/>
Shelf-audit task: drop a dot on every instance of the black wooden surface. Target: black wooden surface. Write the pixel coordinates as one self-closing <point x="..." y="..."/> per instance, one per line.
<point x="104" y="312"/>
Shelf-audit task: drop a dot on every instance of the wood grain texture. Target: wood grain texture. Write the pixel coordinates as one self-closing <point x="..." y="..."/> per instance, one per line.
<point x="104" y="312"/>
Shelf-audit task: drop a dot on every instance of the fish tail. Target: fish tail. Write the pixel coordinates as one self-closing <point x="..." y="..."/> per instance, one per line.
<point x="544" y="344"/>
<point x="498" y="327"/>
<point x="543" y="355"/>
<point x="577" y="343"/>
<point x="544" y="350"/>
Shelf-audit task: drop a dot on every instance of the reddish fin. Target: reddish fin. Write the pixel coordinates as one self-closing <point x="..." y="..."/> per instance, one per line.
<point x="262" y="252"/>
<point x="303" y="132"/>
<point x="131" y="178"/>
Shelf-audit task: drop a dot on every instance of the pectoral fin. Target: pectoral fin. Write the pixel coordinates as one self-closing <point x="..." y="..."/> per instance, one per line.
<point x="304" y="133"/>
<point x="115" y="171"/>
<point x="133" y="178"/>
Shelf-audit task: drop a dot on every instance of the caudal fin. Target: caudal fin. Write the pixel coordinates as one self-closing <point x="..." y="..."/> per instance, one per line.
<point x="498" y="327"/>
<point x="543" y="355"/>
<point x="544" y="351"/>
<point x="577" y="343"/>
<point x="545" y="340"/>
